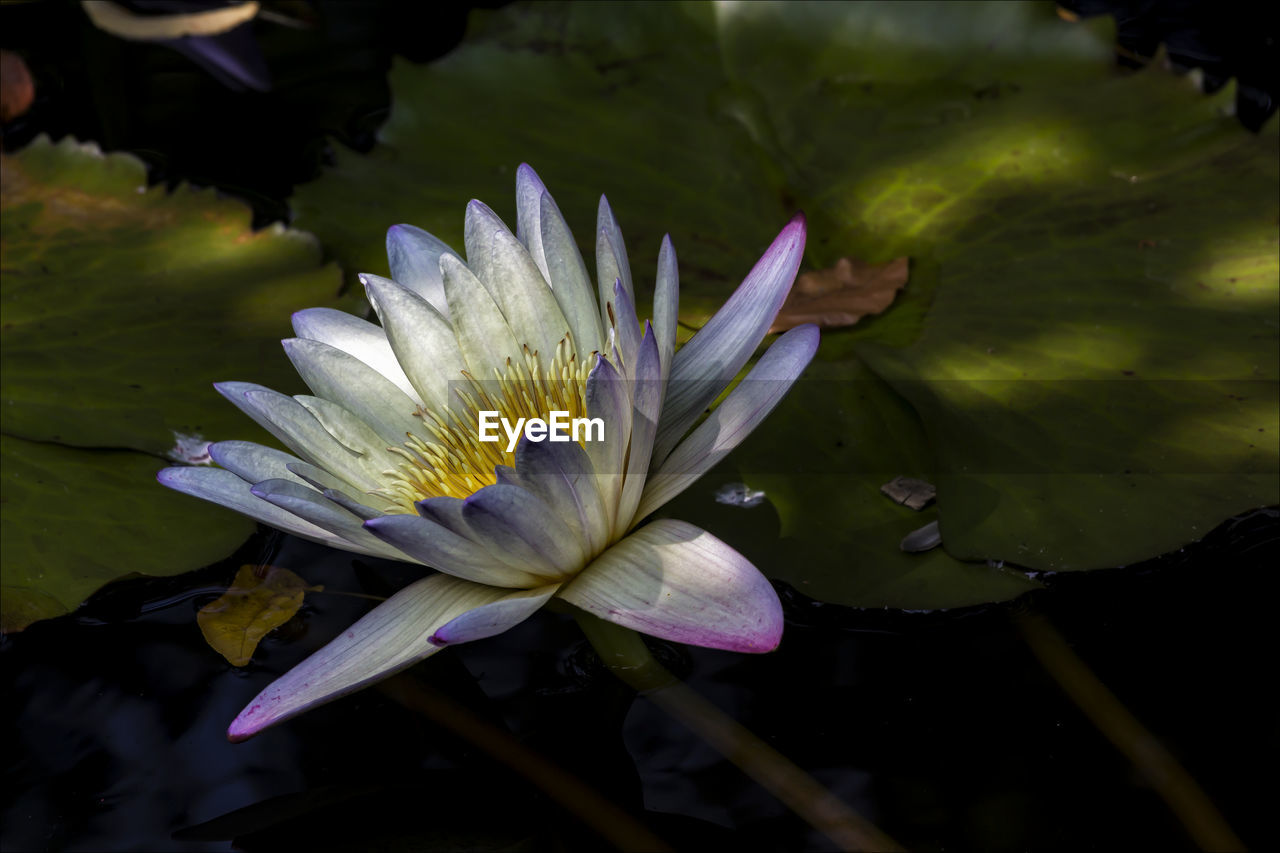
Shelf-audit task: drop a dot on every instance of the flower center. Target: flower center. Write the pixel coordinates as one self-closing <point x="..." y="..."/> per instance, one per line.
<point x="450" y="460"/>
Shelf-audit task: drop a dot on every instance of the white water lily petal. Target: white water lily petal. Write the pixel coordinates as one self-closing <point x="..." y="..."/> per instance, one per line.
<point x="626" y="327"/>
<point x="570" y="282"/>
<point x="343" y="379"/>
<point x="484" y="338"/>
<point x="311" y="506"/>
<point x="368" y="450"/>
<point x="394" y="635"/>
<point x="646" y="405"/>
<point x="611" y="257"/>
<point x="225" y="488"/>
<point x="678" y="582"/>
<point x="529" y="192"/>
<point x="432" y="544"/>
<point x="560" y="473"/>
<point x="253" y="462"/>
<point x="293" y="424"/>
<point x="609" y="399"/>
<point x="414" y="258"/>
<point x="514" y="281"/>
<point x="733" y="420"/>
<point x="708" y="362"/>
<point x="666" y="306"/>
<point x="520" y="525"/>
<point x="488" y="620"/>
<point x="421" y="338"/>
<point x="360" y="338"/>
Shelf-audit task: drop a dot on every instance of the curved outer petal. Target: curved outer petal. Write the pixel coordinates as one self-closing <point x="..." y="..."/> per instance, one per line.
<point x="360" y="338"/>
<point x="333" y="488"/>
<point x="435" y="545"/>
<point x="514" y="281"/>
<point x="733" y="420"/>
<point x="646" y="405"/>
<point x="678" y="582"/>
<point x="483" y="336"/>
<point x="414" y="258"/>
<point x="569" y="280"/>
<point x="609" y="399"/>
<point x="449" y="513"/>
<point x="295" y="425"/>
<point x="703" y="367"/>
<point x="223" y="487"/>
<point x="346" y="380"/>
<point x="529" y="190"/>
<point x="422" y="339"/>
<point x="309" y="505"/>
<point x="394" y="635"/>
<point x="519" y="524"/>
<point x="492" y="619"/>
<point x="560" y="473"/>
<point x="666" y="305"/>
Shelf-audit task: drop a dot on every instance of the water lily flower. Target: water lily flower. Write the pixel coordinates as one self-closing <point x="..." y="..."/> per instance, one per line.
<point x="387" y="458"/>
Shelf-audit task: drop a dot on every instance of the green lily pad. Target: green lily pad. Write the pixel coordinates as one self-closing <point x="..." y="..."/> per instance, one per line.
<point x="1061" y="222"/>
<point x="75" y="519"/>
<point x="121" y="305"/>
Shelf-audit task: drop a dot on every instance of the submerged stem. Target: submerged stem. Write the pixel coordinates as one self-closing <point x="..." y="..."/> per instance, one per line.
<point x="624" y="653"/>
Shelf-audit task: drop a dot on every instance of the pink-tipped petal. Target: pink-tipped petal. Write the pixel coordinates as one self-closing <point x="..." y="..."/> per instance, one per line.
<point x="394" y="635"/>
<point x="702" y="368"/>
<point x="678" y="582"/>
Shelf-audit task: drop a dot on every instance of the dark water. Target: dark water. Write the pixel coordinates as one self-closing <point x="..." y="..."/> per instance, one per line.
<point x="942" y="728"/>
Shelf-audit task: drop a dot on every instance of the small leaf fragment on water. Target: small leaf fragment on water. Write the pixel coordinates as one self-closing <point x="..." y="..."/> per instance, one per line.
<point x="925" y="539"/>
<point x="911" y="492"/>
<point x="250" y="609"/>
<point x="843" y="294"/>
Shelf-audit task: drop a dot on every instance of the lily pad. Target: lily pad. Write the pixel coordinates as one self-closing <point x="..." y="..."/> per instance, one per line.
<point x="1060" y="220"/>
<point x="75" y="519"/>
<point x="121" y="305"/>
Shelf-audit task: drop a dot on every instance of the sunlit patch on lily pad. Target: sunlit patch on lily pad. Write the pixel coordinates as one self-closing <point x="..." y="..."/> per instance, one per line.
<point x="121" y="305"/>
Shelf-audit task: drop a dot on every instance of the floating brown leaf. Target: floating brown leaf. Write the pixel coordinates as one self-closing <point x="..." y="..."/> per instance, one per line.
<point x="248" y="611"/>
<point x="842" y="295"/>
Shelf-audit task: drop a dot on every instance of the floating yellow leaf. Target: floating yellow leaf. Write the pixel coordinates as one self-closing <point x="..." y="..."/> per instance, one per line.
<point x="248" y="611"/>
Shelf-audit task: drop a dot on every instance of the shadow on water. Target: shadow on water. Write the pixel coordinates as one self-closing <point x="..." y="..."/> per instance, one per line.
<point x="941" y="728"/>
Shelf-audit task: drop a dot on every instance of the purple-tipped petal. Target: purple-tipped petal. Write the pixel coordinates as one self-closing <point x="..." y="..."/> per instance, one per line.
<point x="560" y="473"/>
<point x="733" y="420"/>
<point x="646" y="394"/>
<point x="394" y="635"/>
<point x="439" y="547"/>
<point x="490" y="619"/>
<point x="678" y="582"/>
<point x="414" y="258"/>
<point x="703" y="367"/>
<point x="611" y="257"/>
<point x="360" y="338"/>
<point x="666" y="305"/>
<point x="627" y="327"/>
<point x="519" y="525"/>
<point x="312" y="506"/>
<point x="225" y="488"/>
<point x="609" y="399"/>
<point x="529" y="192"/>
